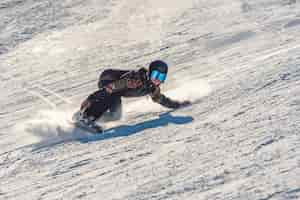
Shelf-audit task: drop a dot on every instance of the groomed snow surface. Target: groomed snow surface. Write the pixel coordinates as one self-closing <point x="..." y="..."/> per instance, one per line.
<point x="238" y="61"/>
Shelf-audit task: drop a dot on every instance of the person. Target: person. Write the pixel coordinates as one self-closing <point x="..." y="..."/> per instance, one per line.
<point x="106" y="103"/>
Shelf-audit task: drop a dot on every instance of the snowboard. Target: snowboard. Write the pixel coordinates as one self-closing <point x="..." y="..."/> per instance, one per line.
<point x="79" y="124"/>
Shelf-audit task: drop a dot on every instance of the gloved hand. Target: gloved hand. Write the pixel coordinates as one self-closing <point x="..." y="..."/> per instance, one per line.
<point x="185" y="103"/>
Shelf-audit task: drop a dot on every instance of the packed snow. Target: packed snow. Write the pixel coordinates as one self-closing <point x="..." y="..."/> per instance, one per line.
<point x="236" y="60"/>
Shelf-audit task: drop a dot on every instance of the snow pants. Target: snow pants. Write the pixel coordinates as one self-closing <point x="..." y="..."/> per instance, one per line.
<point x="103" y="105"/>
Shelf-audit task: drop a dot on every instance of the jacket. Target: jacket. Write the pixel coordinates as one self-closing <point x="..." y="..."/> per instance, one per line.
<point x="118" y="82"/>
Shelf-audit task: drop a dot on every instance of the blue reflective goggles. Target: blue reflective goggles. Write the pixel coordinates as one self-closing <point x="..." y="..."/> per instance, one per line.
<point x="156" y="75"/>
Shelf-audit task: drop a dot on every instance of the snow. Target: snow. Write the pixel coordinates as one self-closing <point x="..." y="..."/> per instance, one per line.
<point x="237" y="61"/>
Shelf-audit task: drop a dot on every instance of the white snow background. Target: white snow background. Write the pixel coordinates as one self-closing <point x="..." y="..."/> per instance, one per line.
<point x="238" y="62"/>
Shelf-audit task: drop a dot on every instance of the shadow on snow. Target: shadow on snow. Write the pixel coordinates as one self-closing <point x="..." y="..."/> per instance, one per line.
<point x="127" y="130"/>
<point x="118" y="131"/>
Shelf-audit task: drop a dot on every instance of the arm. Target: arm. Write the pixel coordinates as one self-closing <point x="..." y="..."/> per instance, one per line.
<point x="165" y="101"/>
<point x="123" y="84"/>
<point x="129" y="80"/>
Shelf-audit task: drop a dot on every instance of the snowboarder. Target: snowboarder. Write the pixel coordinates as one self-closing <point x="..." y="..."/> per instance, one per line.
<point x="114" y="84"/>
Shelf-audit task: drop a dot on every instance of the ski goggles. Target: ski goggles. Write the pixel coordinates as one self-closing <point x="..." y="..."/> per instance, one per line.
<point x="156" y="75"/>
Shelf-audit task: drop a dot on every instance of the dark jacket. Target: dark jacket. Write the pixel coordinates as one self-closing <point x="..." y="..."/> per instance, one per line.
<point x="119" y="84"/>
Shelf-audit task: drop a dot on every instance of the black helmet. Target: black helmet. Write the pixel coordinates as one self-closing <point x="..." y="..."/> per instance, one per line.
<point x="158" y="65"/>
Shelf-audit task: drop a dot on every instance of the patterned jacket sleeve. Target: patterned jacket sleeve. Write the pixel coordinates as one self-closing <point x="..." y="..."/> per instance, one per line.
<point x="122" y="83"/>
<point x="119" y="85"/>
<point x="163" y="100"/>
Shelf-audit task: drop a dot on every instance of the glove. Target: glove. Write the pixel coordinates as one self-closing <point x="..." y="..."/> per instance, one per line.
<point x="185" y="103"/>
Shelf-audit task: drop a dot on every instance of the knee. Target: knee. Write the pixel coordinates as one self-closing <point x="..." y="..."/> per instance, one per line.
<point x="105" y="78"/>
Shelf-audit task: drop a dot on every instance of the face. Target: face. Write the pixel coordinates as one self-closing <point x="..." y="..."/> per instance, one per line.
<point x="156" y="82"/>
<point x="157" y="77"/>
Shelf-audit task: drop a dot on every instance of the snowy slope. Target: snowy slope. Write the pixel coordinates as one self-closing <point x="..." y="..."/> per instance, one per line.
<point x="238" y="61"/>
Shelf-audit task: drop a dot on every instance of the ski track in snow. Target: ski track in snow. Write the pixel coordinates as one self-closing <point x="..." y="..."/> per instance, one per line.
<point x="237" y="61"/>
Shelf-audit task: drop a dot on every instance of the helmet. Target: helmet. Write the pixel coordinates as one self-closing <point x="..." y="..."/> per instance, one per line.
<point x="158" y="65"/>
<point x="158" y="70"/>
